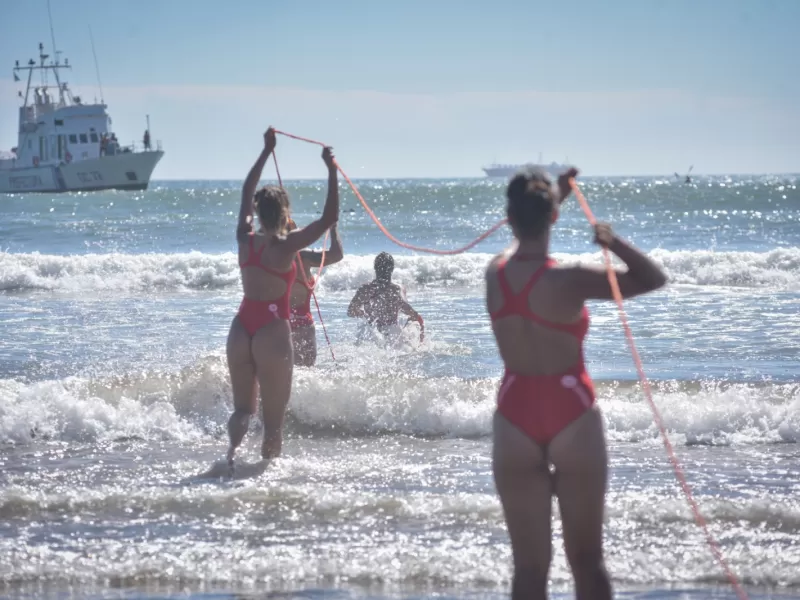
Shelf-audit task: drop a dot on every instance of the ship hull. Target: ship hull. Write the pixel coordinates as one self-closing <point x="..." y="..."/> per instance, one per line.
<point x="124" y="171"/>
<point x="500" y="172"/>
<point x="505" y="172"/>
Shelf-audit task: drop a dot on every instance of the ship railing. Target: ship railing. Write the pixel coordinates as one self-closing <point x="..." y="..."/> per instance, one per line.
<point x="140" y="147"/>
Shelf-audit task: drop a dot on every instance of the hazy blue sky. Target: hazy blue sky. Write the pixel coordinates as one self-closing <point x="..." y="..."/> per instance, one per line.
<point x="434" y="87"/>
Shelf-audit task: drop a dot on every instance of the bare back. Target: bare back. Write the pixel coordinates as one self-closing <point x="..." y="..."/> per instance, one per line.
<point x="534" y="339"/>
<point x="258" y="256"/>
<point x="526" y="347"/>
<point x="382" y="302"/>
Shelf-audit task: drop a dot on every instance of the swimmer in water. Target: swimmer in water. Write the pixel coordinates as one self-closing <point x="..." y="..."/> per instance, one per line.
<point x="304" y="333"/>
<point x="259" y="344"/>
<point x="380" y="302"/>
<point x="546" y="414"/>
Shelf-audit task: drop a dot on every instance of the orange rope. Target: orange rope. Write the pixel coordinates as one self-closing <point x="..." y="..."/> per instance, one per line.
<point x="325" y="331"/>
<point x="383" y="229"/>
<point x="303" y="269"/>
<point x="612" y="280"/>
<point x="324" y="241"/>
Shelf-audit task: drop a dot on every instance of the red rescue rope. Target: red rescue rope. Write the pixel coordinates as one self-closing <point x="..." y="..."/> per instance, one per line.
<point x="612" y="279"/>
<point x="676" y="465"/>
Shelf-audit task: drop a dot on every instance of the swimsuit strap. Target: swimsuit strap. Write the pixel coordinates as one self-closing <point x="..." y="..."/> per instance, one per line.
<point x="288" y="276"/>
<point x="253" y="256"/>
<point x="258" y="252"/>
<point x="517" y="303"/>
<point x="508" y="294"/>
<point x="254" y="260"/>
<point x="308" y="279"/>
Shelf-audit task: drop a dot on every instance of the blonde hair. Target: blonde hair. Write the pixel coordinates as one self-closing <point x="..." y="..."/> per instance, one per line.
<point x="272" y="206"/>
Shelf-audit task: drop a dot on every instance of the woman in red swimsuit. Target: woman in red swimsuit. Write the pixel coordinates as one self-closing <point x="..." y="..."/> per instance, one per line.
<point x="259" y="342"/>
<point x="304" y="333"/>
<point x="546" y="414"/>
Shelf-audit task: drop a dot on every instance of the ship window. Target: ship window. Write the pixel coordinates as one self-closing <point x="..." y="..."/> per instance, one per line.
<point x="84" y="139"/>
<point x="95" y="139"/>
<point x="73" y="139"/>
<point x="131" y="175"/>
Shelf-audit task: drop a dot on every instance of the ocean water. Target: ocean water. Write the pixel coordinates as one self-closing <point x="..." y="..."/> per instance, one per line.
<point x="114" y="394"/>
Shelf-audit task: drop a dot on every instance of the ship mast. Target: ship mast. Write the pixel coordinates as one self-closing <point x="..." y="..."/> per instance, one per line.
<point x="56" y="52"/>
<point x="54" y="65"/>
<point x="43" y="67"/>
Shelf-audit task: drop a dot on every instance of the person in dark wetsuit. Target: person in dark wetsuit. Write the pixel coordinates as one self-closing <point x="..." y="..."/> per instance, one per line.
<point x="380" y="301"/>
<point x="546" y="413"/>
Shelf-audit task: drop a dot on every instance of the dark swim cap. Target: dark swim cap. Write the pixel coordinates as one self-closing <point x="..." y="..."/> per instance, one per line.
<point x="384" y="265"/>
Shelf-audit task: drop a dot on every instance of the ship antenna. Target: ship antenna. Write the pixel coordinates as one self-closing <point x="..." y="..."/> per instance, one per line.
<point x="56" y="52"/>
<point x="52" y="32"/>
<point x="96" y="67"/>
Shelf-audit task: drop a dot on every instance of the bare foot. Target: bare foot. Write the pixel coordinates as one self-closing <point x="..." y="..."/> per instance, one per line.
<point x="270" y="450"/>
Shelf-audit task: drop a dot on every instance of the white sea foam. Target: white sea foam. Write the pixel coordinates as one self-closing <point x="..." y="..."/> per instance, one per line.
<point x="779" y="268"/>
<point x="380" y="400"/>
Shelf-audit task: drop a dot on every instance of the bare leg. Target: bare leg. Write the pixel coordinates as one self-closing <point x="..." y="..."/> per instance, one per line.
<point x="579" y="454"/>
<point x="523" y="481"/>
<point x="273" y="353"/>
<point x="243" y="381"/>
<point x="304" y="339"/>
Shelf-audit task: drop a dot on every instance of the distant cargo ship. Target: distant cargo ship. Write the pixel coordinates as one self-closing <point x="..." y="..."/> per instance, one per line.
<point x="497" y="170"/>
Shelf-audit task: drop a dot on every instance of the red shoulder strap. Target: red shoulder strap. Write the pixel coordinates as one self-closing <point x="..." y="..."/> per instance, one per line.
<point x="250" y="250"/>
<point x="537" y="275"/>
<point x="506" y="286"/>
<point x="260" y="251"/>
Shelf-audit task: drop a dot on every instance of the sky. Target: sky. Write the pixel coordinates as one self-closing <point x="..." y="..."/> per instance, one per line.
<point x="433" y="88"/>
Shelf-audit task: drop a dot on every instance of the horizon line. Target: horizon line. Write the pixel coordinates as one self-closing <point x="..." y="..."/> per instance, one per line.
<point x="484" y="178"/>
